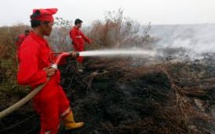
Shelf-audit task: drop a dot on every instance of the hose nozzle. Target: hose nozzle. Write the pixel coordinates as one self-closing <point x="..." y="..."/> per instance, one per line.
<point x="77" y="54"/>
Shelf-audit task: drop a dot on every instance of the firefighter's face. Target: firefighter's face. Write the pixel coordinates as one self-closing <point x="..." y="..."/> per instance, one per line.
<point x="47" y="27"/>
<point x="79" y="25"/>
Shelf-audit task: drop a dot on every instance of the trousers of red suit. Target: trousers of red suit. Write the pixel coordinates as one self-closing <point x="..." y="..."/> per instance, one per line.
<point x="79" y="59"/>
<point x="50" y="106"/>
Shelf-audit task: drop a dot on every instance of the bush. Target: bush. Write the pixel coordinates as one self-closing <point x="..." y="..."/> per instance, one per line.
<point x="8" y="62"/>
<point x="120" y="32"/>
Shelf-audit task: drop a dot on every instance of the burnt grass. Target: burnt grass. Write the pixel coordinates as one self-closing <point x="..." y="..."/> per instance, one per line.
<point x="113" y="97"/>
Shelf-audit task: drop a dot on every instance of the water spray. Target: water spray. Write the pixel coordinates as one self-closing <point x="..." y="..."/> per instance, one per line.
<point x="111" y="53"/>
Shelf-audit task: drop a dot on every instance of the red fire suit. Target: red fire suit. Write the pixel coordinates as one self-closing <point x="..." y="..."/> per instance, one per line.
<point x="51" y="102"/>
<point x="78" y="39"/>
<point x="20" y="39"/>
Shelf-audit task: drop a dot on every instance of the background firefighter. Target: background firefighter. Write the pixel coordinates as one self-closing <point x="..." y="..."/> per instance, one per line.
<point x="21" y="38"/>
<point x="51" y="102"/>
<point x="78" y="40"/>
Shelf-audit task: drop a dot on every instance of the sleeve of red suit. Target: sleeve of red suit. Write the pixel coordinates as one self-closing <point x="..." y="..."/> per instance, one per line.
<point x="85" y="38"/>
<point x="28" y="72"/>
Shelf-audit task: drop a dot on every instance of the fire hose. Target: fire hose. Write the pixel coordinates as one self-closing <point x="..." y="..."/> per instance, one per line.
<point x="36" y="90"/>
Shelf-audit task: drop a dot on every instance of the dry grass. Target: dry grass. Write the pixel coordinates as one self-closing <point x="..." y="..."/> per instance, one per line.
<point x="8" y="38"/>
<point x="8" y="61"/>
<point x="120" y="32"/>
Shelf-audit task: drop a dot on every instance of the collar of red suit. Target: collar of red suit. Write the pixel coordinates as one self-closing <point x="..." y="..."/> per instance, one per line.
<point x="38" y="38"/>
<point x="44" y="14"/>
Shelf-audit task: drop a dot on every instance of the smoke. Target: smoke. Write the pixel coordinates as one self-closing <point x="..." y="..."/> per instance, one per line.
<point x="178" y="42"/>
<point x="185" y="40"/>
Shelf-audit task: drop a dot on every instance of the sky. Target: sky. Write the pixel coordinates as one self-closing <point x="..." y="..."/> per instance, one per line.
<point x="142" y="11"/>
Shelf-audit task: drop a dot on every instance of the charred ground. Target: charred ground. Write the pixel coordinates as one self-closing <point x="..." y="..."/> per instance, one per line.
<point x="112" y="96"/>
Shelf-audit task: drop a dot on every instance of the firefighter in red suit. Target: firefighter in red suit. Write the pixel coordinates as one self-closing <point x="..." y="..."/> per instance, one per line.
<point x="78" y="40"/>
<point x="51" y="102"/>
<point x="21" y="38"/>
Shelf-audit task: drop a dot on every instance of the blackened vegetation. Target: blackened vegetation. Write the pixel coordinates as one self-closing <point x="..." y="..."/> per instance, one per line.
<point x="114" y="97"/>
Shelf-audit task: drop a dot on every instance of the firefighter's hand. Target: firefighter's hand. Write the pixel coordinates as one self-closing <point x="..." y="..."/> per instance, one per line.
<point x="74" y="54"/>
<point x="50" y="71"/>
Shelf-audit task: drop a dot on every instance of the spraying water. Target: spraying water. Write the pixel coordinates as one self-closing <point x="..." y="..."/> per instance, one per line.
<point x="110" y="53"/>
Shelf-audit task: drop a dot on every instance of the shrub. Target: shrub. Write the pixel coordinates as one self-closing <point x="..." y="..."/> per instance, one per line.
<point x="120" y="32"/>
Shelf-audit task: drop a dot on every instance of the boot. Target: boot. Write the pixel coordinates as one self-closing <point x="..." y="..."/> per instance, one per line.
<point x="70" y="123"/>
